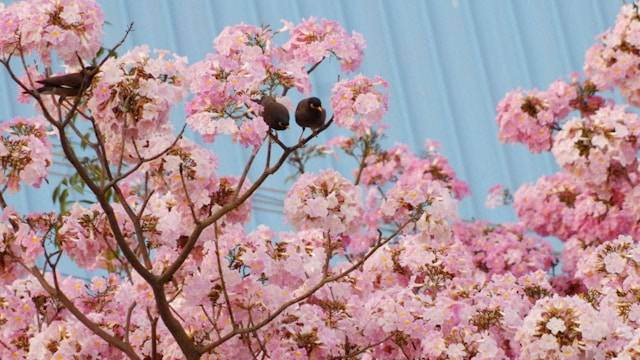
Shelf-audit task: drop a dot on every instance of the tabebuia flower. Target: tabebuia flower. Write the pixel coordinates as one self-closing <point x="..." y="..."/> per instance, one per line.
<point x="85" y="235"/>
<point x="18" y="243"/>
<point x="548" y="206"/>
<point x="71" y="28"/>
<point x="502" y="248"/>
<point x="613" y="61"/>
<point x="384" y="166"/>
<point x="17" y="312"/>
<point x="419" y="197"/>
<point x="359" y="104"/>
<point x="436" y="167"/>
<point x="615" y="264"/>
<point x="314" y="39"/>
<point x="562" y="205"/>
<point x="530" y="117"/>
<point x="25" y="152"/>
<point x="131" y="99"/>
<point x="224" y="194"/>
<point x="561" y="328"/>
<point x="227" y="85"/>
<point x="185" y="167"/>
<point x="326" y="200"/>
<point x="600" y="147"/>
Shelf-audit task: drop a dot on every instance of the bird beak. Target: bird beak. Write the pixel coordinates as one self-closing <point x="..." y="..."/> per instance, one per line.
<point x="320" y="108"/>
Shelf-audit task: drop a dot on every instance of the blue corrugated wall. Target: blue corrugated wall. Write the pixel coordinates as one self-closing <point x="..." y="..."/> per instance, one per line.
<point x="448" y="63"/>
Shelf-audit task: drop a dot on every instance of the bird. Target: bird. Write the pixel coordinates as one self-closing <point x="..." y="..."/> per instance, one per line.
<point x="274" y="114"/>
<point x="310" y="114"/>
<point x="68" y="84"/>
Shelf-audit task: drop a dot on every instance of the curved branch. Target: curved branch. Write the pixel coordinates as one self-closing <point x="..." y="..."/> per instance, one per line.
<point x="124" y="175"/>
<point x="306" y="294"/>
<point x="68" y="304"/>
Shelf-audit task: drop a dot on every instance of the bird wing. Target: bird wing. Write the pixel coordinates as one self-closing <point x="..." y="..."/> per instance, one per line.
<point x="67" y="80"/>
<point x="56" y="90"/>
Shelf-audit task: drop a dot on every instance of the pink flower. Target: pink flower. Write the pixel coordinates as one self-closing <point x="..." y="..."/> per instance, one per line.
<point x="132" y="106"/>
<point x="69" y="27"/>
<point x="614" y="263"/>
<point x="358" y="105"/>
<point x="314" y="39"/>
<point x="252" y="132"/>
<point x="530" y="117"/>
<point x="591" y="148"/>
<point x="326" y="200"/>
<point x="26" y="152"/>
<point x="613" y="61"/>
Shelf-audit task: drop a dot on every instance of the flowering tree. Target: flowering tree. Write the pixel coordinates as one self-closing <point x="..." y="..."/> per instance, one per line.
<point x="377" y="264"/>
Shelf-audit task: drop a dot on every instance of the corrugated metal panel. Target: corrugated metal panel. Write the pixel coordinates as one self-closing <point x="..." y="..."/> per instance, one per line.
<point x="448" y="63"/>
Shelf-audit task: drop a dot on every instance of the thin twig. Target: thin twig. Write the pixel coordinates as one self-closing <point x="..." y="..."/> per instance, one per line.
<point x="222" y="282"/>
<point x="204" y="223"/>
<point x="304" y="295"/>
<point x="128" y="323"/>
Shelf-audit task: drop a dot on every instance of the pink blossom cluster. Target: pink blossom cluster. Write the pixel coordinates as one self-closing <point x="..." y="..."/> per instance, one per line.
<point x="86" y="237"/>
<point x="186" y="169"/>
<point x="314" y="39"/>
<point x="599" y="147"/>
<point x="613" y="61"/>
<point x="131" y="99"/>
<point x="561" y="327"/>
<point x="25" y="152"/>
<point x="558" y="205"/>
<point x="383" y="166"/>
<point x="227" y="85"/>
<point x="503" y="248"/>
<point x="614" y="264"/>
<point x="437" y="167"/>
<point x="632" y="349"/>
<point x="19" y="244"/>
<point x="358" y="104"/>
<point x="418" y="198"/>
<point x="530" y="117"/>
<point x="71" y="28"/>
<point x="326" y="201"/>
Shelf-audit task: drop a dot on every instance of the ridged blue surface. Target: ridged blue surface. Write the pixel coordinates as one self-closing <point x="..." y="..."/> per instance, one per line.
<point x="448" y="64"/>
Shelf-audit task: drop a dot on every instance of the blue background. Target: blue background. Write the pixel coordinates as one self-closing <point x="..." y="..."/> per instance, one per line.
<point x="448" y="64"/>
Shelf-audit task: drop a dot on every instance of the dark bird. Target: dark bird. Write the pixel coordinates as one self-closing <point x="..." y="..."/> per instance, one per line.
<point x="274" y="114"/>
<point x="68" y="84"/>
<point x="310" y="114"/>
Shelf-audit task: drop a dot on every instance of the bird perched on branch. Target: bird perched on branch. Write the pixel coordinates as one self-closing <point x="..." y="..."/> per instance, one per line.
<point x="310" y="114"/>
<point x="274" y="114"/>
<point x="68" y="84"/>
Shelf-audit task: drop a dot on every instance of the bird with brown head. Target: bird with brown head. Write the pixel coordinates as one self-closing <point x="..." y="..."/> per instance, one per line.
<point x="310" y="114"/>
<point x="274" y="113"/>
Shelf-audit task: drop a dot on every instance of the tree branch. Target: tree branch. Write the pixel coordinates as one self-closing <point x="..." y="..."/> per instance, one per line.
<point x="68" y="304"/>
<point x="304" y="295"/>
<point x="204" y="223"/>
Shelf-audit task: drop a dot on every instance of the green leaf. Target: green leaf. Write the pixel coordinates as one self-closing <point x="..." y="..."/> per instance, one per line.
<point x="55" y="194"/>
